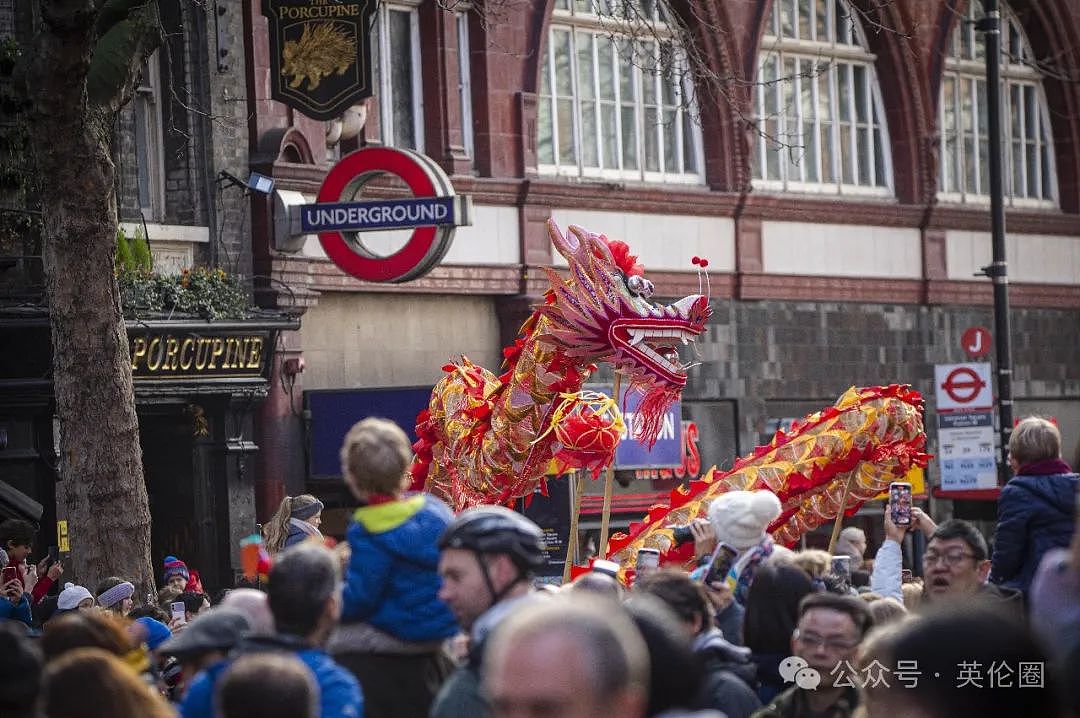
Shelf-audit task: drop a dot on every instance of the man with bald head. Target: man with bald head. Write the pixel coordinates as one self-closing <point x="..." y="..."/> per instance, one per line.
<point x="572" y="657"/>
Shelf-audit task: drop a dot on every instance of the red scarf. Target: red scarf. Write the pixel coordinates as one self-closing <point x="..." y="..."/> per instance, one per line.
<point x="1046" y="467"/>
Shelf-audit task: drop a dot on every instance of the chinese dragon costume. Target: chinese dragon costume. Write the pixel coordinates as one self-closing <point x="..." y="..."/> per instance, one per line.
<point x="487" y="439"/>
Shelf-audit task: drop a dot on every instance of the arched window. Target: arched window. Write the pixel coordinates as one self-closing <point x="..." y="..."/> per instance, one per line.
<point x="615" y="96"/>
<point x="821" y="126"/>
<point x="1030" y="177"/>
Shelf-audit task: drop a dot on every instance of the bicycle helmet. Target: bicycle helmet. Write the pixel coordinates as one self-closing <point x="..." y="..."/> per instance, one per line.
<point x="497" y="529"/>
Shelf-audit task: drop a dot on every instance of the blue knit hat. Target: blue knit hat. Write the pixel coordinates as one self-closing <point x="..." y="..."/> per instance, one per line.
<point x="156" y="631"/>
<point x="174" y="567"/>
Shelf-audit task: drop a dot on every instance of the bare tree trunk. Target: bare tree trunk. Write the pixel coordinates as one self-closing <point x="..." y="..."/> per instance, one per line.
<point x="102" y="487"/>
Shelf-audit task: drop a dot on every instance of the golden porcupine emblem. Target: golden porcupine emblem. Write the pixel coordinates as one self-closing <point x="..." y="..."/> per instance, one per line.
<point x="323" y="49"/>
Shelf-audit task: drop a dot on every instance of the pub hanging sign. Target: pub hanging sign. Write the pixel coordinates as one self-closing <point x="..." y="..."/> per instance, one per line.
<point x="163" y="354"/>
<point x="320" y="54"/>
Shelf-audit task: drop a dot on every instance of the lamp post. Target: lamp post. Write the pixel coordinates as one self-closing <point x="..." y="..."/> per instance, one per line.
<point x="997" y="271"/>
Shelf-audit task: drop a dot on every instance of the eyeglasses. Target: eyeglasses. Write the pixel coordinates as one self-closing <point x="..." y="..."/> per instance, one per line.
<point x="951" y="559"/>
<point x="812" y="640"/>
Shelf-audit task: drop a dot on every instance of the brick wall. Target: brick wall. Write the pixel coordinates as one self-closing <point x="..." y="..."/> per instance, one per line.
<point x="204" y="128"/>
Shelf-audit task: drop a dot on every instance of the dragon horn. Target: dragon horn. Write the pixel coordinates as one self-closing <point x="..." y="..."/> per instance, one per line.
<point x="568" y="244"/>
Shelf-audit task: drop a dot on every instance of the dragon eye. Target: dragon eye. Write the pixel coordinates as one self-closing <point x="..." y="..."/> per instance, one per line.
<point x="640" y="286"/>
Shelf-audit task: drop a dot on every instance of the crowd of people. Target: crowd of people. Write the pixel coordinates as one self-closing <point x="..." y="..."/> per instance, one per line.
<point x="424" y="613"/>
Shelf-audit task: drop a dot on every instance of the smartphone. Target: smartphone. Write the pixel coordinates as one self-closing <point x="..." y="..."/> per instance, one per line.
<point x="900" y="503"/>
<point x="648" y="559"/>
<point x="179" y="611"/>
<point x="53" y="557"/>
<point x="905" y="576"/>
<point x="9" y="574"/>
<point x="841" y="568"/>
<point x="720" y="566"/>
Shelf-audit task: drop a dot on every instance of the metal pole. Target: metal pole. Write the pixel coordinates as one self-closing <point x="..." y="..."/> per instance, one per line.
<point x="990" y="26"/>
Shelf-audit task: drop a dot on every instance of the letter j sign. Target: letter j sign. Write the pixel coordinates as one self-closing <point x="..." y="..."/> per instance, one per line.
<point x="433" y="213"/>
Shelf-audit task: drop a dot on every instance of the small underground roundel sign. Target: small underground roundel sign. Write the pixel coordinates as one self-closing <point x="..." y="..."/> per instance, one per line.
<point x="433" y="212"/>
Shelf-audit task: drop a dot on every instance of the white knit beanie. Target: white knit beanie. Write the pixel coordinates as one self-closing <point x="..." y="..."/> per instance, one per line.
<point x="739" y="518"/>
<point x="71" y="597"/>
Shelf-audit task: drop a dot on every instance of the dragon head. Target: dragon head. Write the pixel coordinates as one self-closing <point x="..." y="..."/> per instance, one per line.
<point x="603" y="313"/>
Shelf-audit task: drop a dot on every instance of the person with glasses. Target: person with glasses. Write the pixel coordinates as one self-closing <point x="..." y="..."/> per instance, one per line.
<point x="827" y="637"/>
<point x="955" y="565"/>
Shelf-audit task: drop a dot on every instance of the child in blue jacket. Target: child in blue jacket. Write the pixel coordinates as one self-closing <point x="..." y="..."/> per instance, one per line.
<point x="393" y="623"/>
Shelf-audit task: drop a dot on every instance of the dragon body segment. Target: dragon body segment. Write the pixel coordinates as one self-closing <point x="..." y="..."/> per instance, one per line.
<point x="486" y="439"/>
<point x="872" y="436"/>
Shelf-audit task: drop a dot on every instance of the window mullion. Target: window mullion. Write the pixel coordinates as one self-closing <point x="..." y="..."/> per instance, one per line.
<point x="815" y="103"/>
<point x="853" y="136"/>
<point x="1021" y="112"/>
<point x="616" y="78"/>
<point x="595" y="59"/>
<point x="554" y="99"/>
<point x="797" y="95"/>
<point x="575" y="94"/>
<point x="834" y="103"/>
<point x="680" y="138"/>
<point x="976" y="180"/>
<point x="1042" y="191"/>
<point x="871" y="158"/>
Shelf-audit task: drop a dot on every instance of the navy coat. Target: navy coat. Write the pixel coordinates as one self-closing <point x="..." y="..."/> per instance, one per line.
<point x="1035" y="514"/>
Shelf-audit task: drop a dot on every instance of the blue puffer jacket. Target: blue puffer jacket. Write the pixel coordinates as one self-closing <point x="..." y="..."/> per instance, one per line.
<point x="339" y="693"/>
<point x="1035" y="514"/>
<point x="393" y="577"/>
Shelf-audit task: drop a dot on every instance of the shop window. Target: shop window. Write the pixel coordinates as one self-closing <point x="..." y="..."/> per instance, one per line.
<point x="396" y="62"/>
<point x="821" y="125"/>
<point x="149" y="140"/>
<point x="614" y="105"/>
<point x="1029" y="177"/>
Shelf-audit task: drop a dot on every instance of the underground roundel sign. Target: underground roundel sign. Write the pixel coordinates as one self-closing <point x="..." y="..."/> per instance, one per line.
<point x="433" y="212"/>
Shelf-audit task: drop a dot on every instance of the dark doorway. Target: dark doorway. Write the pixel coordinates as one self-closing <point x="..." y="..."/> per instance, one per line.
<point x="169" y="468"/>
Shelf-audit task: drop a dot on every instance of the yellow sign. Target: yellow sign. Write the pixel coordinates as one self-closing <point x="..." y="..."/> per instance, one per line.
<point x="916" y="477"/>
<point x="63" y="546"/>
<point x="192" y="355"/>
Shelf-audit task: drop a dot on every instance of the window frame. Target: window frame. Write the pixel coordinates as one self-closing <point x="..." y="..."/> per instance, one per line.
<point x="570" y="18"/>
<point x="959" y="69"/>
<point x="149" y="133"/>
<point x="840" y="51"/>
<point x="386" y="92"/>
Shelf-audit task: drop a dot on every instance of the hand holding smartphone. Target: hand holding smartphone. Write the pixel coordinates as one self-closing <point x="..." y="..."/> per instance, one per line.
<point x="900" y="503"/>
<point x="648" y="560"/>
<point x="841" y="568"/>
<point x="10" y="573"/>
<point x="720" y="566"/>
